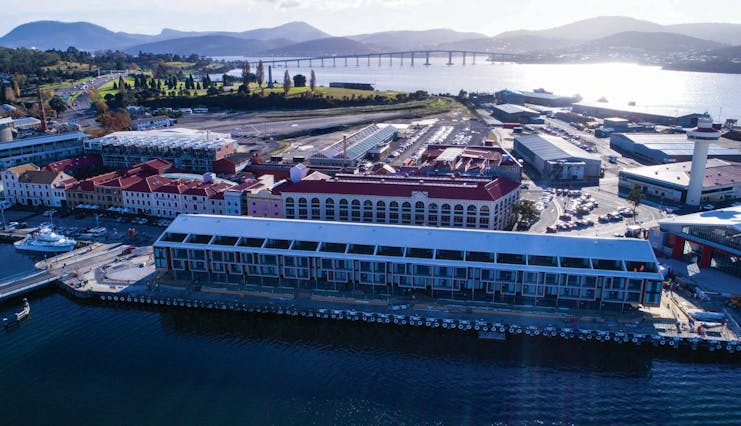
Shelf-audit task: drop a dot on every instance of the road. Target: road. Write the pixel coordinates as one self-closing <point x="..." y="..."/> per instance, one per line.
<point x="26" y="284"/>
<point x="81" y="105"/>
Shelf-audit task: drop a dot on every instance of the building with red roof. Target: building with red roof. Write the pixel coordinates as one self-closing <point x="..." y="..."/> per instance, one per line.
<point x="80" y="167"/>
<point x="412" y="200"/>
<point x="106" y="190"/>
<point x="30" y="185"/>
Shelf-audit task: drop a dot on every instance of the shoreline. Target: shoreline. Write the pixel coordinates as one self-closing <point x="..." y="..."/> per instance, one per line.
<point x="463" y="321"/>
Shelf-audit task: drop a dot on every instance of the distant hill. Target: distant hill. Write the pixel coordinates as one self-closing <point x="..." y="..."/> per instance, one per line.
<point x="721" y="33"/>
<point x="600" y="34"/>
<point x="589" y="29"/>
<point x="659" y="42"/>
<point x="727" y="53"/>
<point x="60" y="35"/>
<point x="209" y="45"/>
<point x="514" y="44"/>
<point x="409" y="40"/>
<point x="294" y="31"/>
<point x="322" y="47"/>
<point x="86" y="36"/>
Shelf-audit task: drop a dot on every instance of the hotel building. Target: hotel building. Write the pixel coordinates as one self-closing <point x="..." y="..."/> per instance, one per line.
<point x="464" y="264"/>
<point x="428" y="201"/>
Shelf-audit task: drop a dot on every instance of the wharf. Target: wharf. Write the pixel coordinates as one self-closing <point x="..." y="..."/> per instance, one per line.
<point x="52" y="270"/>
<point x="132" y="281"/>
<point x="101" y="273"/>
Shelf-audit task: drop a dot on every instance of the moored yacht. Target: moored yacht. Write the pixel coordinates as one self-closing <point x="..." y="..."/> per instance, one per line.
<point x="45" y="240"/>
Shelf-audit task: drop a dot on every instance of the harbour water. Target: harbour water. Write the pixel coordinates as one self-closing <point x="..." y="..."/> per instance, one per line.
<point x="647" y="86"/>
<point x="93" y="364"/>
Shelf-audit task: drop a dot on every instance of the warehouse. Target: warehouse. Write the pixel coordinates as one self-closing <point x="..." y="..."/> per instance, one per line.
<point x="536" y="97"/>
<point x="666" y="117"/>
<point x="668" y="183"/>
<point x="510" y="113"/>
<point x="661" y="149"/>
<point x="557" y="160"/>
<point x="352" y="149"/>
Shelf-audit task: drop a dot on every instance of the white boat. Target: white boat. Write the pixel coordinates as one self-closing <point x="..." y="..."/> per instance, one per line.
<point x="45" y="240"/>
<point x="97" y="232"/>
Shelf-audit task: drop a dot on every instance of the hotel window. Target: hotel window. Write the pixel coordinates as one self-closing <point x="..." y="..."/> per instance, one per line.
<point x="574" y="262"/>
<point x="355" y="215"/>
<point x="316" y="211"/>
<point x="394" y="212"/>
<point x="290" y="207"/>
<point x="458" y="216"/>
<point x="367" y="211"/>
<point x="608" y="264"/>
<point x="510" y="258"/>
<point x="471" y="216"/>
<point x="380" y="211"/>
<point x="406" y="213"/>
<point x="329" y="208"/>
<point x="343" y="210"/>
<point x="302" y="208"/>
<point x="484" y="217"/>
<point x="419" y="213"/>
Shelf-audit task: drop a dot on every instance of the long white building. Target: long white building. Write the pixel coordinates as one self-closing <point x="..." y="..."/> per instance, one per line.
<point x="580" y="272"/>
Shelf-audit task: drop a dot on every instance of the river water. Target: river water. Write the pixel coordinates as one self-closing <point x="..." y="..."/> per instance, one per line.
<point x="73" y="362"/>
<point x="648" y="86"/>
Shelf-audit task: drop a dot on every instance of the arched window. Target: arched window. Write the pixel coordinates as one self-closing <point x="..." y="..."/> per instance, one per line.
<point x="303" y="212"/>
<point x="316" y="210"/>
<point x="433" y="218"/>
<point x="458" y="216"/>
<point x="393" y="212"/>
<point x="355" y="215"/>
<point x="367" y="211"/>
<point x="471" y="216"/>
<point x="343" y="210"/>
<point x="290" y="207"/>
<point x="380" y="212"/>
<point x="419" y="213"/>
<point x="484" y="216"/>
<point x="406" y="213"/>
<point x="329" y="212"/>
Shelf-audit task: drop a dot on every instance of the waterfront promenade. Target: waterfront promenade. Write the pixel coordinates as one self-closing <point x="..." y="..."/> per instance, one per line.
<point x="106" y="276"/>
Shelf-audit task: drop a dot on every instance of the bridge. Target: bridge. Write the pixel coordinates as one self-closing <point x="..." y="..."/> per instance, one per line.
<point x="400" y="56"/>
<point x="25" y="282"/>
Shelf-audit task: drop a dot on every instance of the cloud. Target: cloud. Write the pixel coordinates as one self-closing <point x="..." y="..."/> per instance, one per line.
<point x="289" y="4"/>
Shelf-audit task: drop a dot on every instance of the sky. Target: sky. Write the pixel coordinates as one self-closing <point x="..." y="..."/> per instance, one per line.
<point x="346" y="17"/>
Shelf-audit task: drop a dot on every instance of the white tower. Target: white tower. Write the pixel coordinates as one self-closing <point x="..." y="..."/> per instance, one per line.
<point x="702" y="136"/>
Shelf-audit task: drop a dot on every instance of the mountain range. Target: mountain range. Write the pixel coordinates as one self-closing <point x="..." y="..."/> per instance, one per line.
<point x="600" y="34"/>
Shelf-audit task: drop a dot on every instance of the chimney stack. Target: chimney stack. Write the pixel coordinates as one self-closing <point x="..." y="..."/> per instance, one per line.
<point x="42" y="113"/>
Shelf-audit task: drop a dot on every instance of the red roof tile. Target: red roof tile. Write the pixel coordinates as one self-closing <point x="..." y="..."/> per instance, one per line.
<point x="391" y="186"/>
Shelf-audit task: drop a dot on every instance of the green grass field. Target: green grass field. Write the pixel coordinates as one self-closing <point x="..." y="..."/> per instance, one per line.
<point x="181" y="65"/>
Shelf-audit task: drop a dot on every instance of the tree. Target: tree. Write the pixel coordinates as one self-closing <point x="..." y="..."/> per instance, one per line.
<point x="58" y="105"/>
<point x="246" y="75"/>
<point x="312" y="81"/>
<point x="635" y="196"/>
<point x="526" y="211"/>
<point x="299" y="80"/>
<point x="286" y="83"/>
<point x="260" y="73"/>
